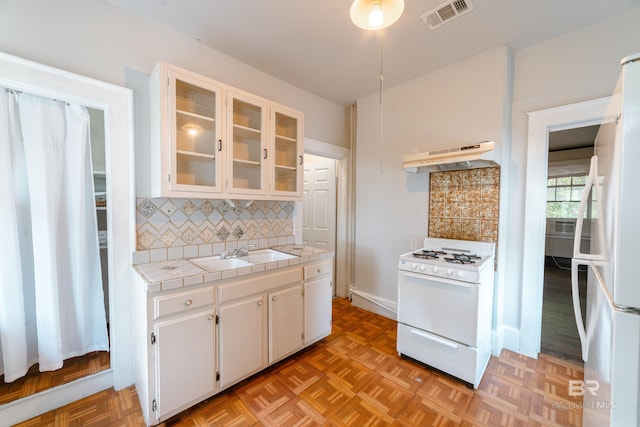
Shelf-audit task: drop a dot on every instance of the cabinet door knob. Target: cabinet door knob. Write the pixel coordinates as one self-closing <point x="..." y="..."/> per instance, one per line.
<point x="319" y="270"/>
<point x="188" y="302"/>
<point x="210" y="317"/>
<point x="301" y="159"/>
<point x="274" y="298"/>
<point x="259" y="302"/>
<point x="265" y="153"/>
<point x="219" y="145"/>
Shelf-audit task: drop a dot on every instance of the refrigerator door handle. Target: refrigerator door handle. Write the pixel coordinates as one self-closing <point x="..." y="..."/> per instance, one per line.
<point x="592" y="318"/>
<point x="577" y="238"/>
<point x="577" y="311"/>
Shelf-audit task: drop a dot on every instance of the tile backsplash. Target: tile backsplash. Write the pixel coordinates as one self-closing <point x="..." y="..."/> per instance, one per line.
<point x="172" y="223"/>
<point x="465" y="204"/>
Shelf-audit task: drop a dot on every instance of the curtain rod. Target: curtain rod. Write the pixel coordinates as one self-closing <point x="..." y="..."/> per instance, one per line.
<point x="19" y="92"/>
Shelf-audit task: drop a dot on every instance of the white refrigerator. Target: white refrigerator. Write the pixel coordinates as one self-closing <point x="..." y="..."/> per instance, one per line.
<point x="610" y="335"/>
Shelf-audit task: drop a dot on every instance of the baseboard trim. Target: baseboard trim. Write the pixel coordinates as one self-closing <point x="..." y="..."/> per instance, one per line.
<point x="510" y="338"/>
<point x="373" y="303"/>
<point x="47" y="400"/>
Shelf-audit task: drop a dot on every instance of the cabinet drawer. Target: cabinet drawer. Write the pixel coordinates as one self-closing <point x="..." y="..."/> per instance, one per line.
<point x="449" y="356"/>
<point x="260" y="283"/>
<point x="317" y="269"/>
<point x="182" y="302"/>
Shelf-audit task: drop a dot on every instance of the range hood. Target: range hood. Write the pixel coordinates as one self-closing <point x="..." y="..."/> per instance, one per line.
<point x="478" y="155"/>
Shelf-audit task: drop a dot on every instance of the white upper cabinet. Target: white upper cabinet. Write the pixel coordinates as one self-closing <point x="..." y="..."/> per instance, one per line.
<point x="187" y="157"/>
<point x="247" y="148"/>
<point x="210" y="140"/>
<point x="287" y="152"/>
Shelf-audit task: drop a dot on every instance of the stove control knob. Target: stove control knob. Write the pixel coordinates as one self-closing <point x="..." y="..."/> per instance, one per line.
<point x="450" y="272"/>
<point x="436" y="269"/>
<point x="423" y="267"/>
<point x="460" y="274"/>
<point x="414" y="266"/>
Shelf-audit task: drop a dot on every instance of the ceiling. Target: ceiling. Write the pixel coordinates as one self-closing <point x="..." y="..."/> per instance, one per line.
<point x="313" y="44"/>
<point x="568" y="139"/>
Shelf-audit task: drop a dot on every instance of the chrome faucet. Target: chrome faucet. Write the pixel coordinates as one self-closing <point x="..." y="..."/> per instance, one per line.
<point x="239" y="252"/>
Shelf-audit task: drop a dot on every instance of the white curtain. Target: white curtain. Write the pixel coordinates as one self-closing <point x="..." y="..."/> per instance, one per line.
<point x="51" y="298"/>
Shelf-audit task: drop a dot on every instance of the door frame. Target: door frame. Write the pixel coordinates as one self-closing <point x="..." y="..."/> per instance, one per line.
<point x="344" y="253"/>
<point x="117" y="103"/>
<point x="540" y="124"/>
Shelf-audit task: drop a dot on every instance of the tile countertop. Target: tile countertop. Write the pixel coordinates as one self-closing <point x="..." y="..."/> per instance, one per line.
<point x="165" y="275"/>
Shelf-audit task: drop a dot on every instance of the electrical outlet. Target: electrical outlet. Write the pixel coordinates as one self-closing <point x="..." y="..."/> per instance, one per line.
<point x="413" y="244"/>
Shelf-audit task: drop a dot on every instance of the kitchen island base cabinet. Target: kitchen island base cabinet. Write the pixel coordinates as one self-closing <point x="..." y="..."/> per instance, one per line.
<point x="241" y="339"/>
<point x="185" y="355"/>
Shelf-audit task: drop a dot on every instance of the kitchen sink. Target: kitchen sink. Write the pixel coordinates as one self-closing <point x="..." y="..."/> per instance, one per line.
<point x="215" y="263"/>
<point x="262" y="256"/>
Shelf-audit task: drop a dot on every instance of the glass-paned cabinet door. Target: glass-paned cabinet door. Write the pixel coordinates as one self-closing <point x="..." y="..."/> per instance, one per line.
<point x="247" y="151"/>
<point x="287" y="140"/>
<point x="196" y="135"/>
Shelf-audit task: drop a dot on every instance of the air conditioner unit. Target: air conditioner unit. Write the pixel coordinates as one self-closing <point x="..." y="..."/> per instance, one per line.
<point x="479" y="155"/>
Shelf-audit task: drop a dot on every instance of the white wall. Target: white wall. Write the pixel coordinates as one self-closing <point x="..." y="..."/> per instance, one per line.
<point x="578" y="66"/>
<point x="97" y="39"/>
<point x="458" y="104"/>
<point x="463" y="103"/>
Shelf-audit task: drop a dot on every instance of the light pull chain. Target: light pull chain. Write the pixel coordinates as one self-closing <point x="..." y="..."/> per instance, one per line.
<point x="381" y="32"/>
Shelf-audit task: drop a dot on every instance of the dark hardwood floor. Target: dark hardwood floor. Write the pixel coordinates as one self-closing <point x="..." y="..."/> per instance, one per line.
<point x="354" y="377"/>
<point x="559" y="330"/>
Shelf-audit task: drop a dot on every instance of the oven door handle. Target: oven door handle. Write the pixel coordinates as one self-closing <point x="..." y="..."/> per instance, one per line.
<point x="437" y="279"/>
<point x="434" y="339"/>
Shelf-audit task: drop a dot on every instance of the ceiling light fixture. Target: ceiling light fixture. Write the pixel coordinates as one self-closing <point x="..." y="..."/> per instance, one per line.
<point x="375" y="14"/>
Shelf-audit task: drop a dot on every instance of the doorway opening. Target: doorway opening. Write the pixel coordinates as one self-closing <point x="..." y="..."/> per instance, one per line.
<point x="569" y="154"/>
<point x="115" y="105"/>
<point x="541" y="124"/>
<point x="319" y="204"/>
<point x="86" y="363"/>
<point x="319" y="210"/>
<point x="335" y="207"/>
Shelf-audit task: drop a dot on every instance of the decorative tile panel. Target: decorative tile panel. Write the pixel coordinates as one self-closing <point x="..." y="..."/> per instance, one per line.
<point x="165" y="223"/>
<point x="465" y="204"/>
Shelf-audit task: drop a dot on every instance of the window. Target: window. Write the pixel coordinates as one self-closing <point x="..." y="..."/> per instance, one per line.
<point x="563" y="196"/>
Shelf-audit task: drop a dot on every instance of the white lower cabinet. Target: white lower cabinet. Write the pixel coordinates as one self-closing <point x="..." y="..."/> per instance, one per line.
<point x="192" y="343"/>
<point x="318" y="292"/>
<point x="241" y="339"/>
<point x="285" y="322"/>
<point x="185" y="361"/>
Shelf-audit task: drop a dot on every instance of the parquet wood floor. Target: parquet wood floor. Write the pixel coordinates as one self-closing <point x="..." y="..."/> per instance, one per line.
<point x="355" y="378"/>
<point x="35" y="381"/>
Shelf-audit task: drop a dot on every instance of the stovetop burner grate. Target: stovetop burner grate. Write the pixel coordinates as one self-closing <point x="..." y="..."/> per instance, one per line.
<point x="428" y="254"/>
<point x="462" y="258"/>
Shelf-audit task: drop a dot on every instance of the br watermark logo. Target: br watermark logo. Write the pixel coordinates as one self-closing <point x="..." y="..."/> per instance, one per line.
<point x="587" y="389"/>
<point x="580" y="388"/>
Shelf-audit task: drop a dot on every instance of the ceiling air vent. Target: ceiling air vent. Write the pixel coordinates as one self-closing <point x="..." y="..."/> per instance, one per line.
<point x="446" y="12"/>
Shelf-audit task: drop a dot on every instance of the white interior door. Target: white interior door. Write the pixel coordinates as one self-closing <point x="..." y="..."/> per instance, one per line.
<point x="319" y="206"/>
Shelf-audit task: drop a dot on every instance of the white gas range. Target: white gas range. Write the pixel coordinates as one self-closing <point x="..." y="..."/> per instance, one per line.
<point x="445" y="298"/>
